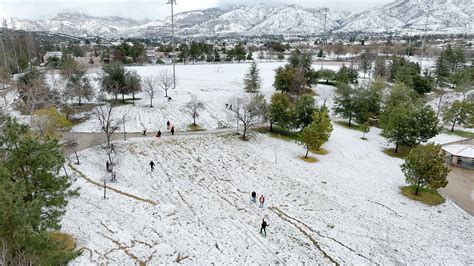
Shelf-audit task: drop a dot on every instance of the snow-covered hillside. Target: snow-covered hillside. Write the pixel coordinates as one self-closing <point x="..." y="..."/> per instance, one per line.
<point x="347" y="208"/>
<point x="444" y="16"/>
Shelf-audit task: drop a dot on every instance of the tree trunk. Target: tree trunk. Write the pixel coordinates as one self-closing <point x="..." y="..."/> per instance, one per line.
<point x="271" y="126"/>
<point x="151" y="102"/>
<point x="194" y="121"/>
<point x="123" y="97"/>
<point x="417" y="187"/>
<point x="396" y="148"/>
<point x="245" y="133"/>
<point x="80" y="101"/>
<point x="307" y="150"/>
<point x="166" y="93"/>
<point x="350" y="120"/>
<point x="452" y="128"/>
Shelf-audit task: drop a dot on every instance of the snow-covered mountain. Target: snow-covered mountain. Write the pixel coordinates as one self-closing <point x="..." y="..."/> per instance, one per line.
<point x="444" y="16"/>
<point x="440" y="16"/>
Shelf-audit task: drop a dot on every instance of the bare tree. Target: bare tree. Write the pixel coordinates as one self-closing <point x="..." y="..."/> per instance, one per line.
<point x="70" y="143"/>
<point x="249" y="111"/>
<point x="109" y="126"/>
<point x="193" y="108"/>
<point x="150" y="85"/>
<point x="165" y="81"/>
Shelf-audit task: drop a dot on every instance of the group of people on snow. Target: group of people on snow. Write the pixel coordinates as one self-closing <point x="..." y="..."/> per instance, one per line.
<point x="169" y="126"/>
<point x="261" y="200"/>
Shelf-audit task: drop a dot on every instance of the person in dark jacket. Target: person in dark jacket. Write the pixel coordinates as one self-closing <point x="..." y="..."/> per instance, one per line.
<point x="152" y="166"/>
<point x="168" y="125"/>
<point x="254" y="196"/>
<point x="264" y="226"/>
<point x="172" y="130"/>
<point x="158" y="134"/>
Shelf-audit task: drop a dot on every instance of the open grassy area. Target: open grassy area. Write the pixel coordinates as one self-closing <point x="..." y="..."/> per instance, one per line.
<point x="193" y="127"/>
<point x="427" y="196"/>
<point x="321" y="151"/>
<point x="461" y="133"/>
<point x="402" y="152"/>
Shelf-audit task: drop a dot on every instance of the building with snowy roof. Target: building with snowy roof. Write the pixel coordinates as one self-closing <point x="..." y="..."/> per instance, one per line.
<point x="461" y="155"/>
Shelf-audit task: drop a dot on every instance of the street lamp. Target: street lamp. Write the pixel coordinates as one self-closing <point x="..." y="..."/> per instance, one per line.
<point x="172" y="3"/>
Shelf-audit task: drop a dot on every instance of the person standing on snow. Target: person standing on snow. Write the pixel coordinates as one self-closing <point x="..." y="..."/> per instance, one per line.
<point x="158" y="134"/>
<point x="262" y="201"/>
<point x="264" y="226"/>
<point x="254" y="197"/>
<point x="168" y="125"/>
<point x="172" y="130"/>
<point x="152" y="165"/>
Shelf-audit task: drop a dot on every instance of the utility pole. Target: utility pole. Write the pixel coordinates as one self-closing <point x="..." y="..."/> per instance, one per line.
<point x="423" y="42"/>
<point x="324" y="37"/>
<point x="409" y="44"/>
<point x="172" y="3"/>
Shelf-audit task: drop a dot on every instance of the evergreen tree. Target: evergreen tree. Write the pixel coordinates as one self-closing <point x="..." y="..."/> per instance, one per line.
<point x="252" y="80"/>
<point x="113" y="79"/>
<point x="424" y="167"/>
<point x="344" y="102"/>
<point x="409" y="124"/>
<point x="304" y="108"/>
<point x="279" y="111"/>
<point x="132" y="83"/>
<point x="347" y="75"/>
<point x="317" y="132"/>
<point x="290" y="80"/>
<point x="33" y="194"/>
<point x="457" y="113"/>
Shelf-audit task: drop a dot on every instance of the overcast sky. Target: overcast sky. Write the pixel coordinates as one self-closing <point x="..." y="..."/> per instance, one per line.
<point x="154" y="9"/>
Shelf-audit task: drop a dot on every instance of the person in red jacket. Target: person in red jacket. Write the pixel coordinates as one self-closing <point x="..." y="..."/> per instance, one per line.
<point x="262" y="201"/>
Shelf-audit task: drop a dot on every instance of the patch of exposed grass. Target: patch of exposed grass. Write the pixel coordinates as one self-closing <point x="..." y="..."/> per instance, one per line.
<point x="120" y="102"/>
<point x="461" y="133"/>
<point x="279" y="133"/>
<point x="425" y="195"/>
<point x="321" y="151"/>
<point x="309" y="159"/>
<point x="402" y="152"/>
<point x="64" y="241"/>
<point x="346" y="125"/>
<point x="194" y="127"/>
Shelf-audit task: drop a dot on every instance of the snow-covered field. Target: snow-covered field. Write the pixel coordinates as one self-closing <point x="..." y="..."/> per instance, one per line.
<point x="346" y="208"/>
<point x="214" y="85"/>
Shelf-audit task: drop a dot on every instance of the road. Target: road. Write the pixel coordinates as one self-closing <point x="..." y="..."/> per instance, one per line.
<point x="460" y="188"/>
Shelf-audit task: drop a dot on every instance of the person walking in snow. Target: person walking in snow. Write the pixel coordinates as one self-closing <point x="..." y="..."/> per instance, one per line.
<point x="158" y="134"/>
<point x="144" y="132"/>
<point x="152" y="166"/>
<point x="172" y="130"/>
<point x="262" y="201"/>
<point x="168" y="125"/>
<point x="264" y="226"/>
<point x="254" y="197"/>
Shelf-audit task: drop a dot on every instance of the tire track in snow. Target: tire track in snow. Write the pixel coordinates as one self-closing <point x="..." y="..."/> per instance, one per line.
<point x="288" y="219"/>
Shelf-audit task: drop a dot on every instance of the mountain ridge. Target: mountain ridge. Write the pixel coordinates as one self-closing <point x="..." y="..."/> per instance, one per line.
<point x="443" y="16"/>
